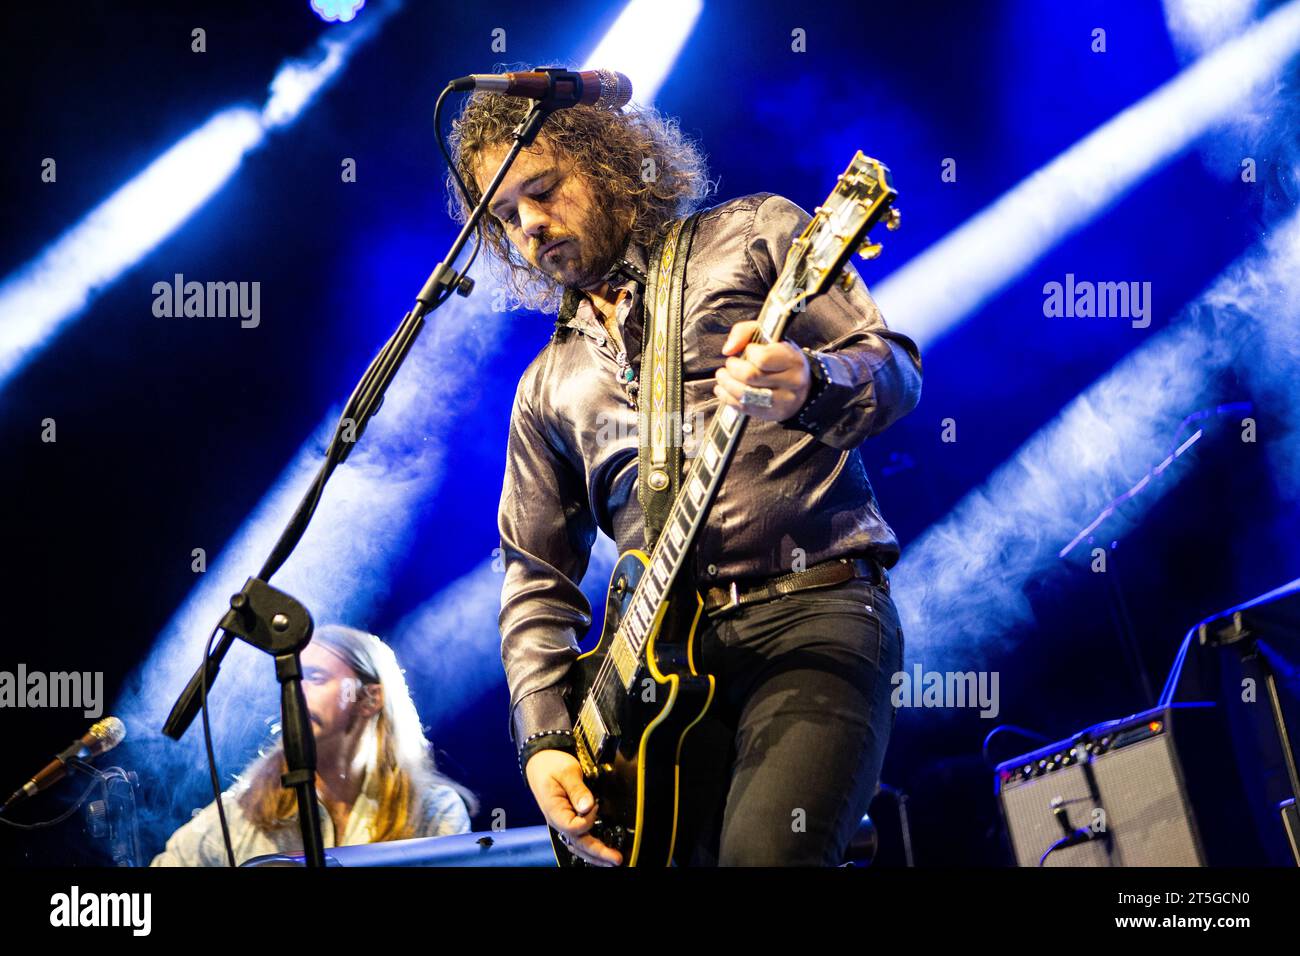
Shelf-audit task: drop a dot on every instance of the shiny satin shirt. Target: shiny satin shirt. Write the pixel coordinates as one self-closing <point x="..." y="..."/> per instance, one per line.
<point x="790" y="495"/>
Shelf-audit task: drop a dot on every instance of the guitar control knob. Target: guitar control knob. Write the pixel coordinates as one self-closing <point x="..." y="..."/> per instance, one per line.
<point x="893" y="219"/>
<point x="615" y="837"/>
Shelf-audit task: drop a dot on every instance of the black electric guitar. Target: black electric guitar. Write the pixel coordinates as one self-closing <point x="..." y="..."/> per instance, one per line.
<point x="636" y="695"/>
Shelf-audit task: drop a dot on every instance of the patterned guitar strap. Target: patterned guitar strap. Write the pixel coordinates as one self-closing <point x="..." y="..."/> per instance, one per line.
<point x="659" y="424"/>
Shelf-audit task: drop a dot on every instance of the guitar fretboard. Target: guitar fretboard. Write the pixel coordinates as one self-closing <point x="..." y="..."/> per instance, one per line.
<point x="691" y="506"/>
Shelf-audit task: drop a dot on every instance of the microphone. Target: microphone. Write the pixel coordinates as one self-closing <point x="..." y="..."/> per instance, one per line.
<point x="603" y="89"/>
<point x="102" y="737"/>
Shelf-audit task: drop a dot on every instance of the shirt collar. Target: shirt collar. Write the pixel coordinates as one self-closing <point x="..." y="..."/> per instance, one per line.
<point x="629" y="268"/>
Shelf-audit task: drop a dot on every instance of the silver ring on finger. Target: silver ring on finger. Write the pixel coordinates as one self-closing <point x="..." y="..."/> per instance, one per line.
<point x="753" y="397"/>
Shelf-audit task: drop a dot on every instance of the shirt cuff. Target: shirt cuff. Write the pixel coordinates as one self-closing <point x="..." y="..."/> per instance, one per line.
<point x="540" y="711"/>
<point x="806" y="418"/>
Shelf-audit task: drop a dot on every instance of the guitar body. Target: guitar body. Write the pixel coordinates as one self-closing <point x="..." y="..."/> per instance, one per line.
<point x="635" y="779"/>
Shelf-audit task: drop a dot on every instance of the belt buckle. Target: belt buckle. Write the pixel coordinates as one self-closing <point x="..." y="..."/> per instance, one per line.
<point x="733" y="602"/>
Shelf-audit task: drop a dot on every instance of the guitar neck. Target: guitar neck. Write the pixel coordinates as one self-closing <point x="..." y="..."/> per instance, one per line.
<point x="690" y="509"/>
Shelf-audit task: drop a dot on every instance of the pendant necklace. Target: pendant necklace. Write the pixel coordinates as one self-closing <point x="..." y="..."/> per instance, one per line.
<point x="625" y="374"/>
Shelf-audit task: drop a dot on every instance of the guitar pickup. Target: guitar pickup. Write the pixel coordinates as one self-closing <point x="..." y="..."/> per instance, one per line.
<point x="625" y="663"/>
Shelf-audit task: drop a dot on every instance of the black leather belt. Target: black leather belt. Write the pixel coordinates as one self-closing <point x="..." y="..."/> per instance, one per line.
<point x="718" y="600"/>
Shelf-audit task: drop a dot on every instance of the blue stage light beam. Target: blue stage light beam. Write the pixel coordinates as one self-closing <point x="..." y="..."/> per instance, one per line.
<point x="38" y="299"/>
<point x="1261" y="127"/>
<point x="935" y="290"/>
<point x="41" y="297"/>
<point x="643" y="43"/>
<point x="961" y="586"/>
<point x="1198" y="26"/>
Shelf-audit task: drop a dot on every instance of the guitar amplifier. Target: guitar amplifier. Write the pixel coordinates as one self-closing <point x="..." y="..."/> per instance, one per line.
<point x="1160" y="788"/>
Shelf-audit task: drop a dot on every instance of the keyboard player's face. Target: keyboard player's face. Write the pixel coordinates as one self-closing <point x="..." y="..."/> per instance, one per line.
<point x="337" y="701"/>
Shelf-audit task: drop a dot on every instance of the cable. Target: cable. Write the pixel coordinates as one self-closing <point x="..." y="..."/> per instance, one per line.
<point x="1078" y="836"/>
<point x="1030" y="734"/>
<point x="60" y="818"/>
<point x="1176" y="672"/>
<point x="460" y="183"/>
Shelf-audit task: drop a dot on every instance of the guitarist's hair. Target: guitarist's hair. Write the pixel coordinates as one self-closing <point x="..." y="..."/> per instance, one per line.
<point x="394" y="754"/>
<point x="612" y="150"/>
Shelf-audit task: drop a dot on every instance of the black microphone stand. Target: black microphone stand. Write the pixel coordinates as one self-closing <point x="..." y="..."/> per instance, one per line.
<point x="271" y="620"/>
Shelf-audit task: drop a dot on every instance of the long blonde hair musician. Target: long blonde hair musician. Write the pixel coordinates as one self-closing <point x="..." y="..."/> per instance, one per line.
<point x="391" y="754"/>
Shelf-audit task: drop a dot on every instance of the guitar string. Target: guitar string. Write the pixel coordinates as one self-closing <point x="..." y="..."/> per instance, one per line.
<point x="600" y="683"/>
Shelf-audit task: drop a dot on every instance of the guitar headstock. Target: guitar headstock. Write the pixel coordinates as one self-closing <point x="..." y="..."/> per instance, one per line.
<point x="863" y="197"/>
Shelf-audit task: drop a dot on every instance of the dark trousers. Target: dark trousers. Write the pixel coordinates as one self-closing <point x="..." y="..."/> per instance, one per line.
<point x="782" y="768"/>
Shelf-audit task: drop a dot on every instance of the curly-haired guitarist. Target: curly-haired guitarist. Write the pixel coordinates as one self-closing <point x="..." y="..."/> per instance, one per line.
<point x="798" y="636"/>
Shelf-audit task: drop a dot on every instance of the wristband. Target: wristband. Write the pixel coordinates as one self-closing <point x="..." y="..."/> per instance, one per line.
<point x="545" y="740"/>
<point x="819" y="377"/>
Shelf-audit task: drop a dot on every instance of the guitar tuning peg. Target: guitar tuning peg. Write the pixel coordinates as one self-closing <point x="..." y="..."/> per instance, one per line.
<point x="870" y="250"/>
<point x="846" y="280"/>
<point x="893" y="219"/>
